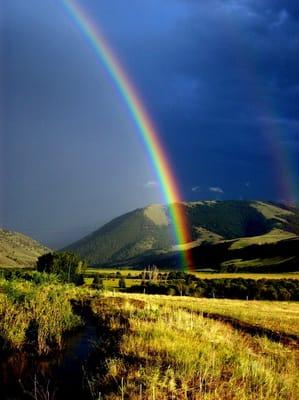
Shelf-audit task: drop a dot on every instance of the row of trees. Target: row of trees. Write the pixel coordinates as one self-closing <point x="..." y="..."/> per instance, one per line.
<point x="67" y="267"/>
<point x="250" y="289"/>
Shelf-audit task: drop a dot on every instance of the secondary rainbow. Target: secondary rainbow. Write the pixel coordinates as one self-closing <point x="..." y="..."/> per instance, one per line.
<point x="142" y="120"/>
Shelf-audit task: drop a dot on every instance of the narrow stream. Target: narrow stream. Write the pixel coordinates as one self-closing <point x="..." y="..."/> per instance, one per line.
<point x="22" y="376"/>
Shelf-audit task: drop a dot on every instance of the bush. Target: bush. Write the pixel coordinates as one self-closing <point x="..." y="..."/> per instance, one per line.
<point x="98" y="282"/>
<point x="37" y="315"/>
<point x="79" y="279"/>
<point x="122" y="283"/>
<point x="67" y="266"/>
<point x="284" y="294"/>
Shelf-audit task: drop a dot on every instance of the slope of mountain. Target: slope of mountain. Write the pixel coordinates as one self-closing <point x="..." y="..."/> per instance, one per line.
<point x="129" y="235"/>
<point x="145" y="235"/>
<point x="18" y="250"/>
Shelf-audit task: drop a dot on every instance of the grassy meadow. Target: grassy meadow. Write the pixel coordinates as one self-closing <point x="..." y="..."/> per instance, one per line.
<point x="155" y="346"/>
<point x="203" y="275"/>
<point x="167" y="350"/>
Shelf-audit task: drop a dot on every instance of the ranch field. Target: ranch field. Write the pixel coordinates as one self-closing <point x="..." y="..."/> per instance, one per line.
<point x="172" y="347"/>
<point x="145" y="346"/>
<point x="203" y="275"/>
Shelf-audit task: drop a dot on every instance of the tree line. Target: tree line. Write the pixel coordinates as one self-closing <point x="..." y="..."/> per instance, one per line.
<point x="180" y="284"/>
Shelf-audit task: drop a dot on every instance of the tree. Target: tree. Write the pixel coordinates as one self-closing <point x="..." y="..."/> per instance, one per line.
<point x="98" y="282"/>
<point x="66" y="265"/>
<point x="122" y="283"/>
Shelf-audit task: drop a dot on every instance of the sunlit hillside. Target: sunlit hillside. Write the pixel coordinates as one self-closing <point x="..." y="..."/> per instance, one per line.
<point x="18" y="250"/>
<point x="144" y="236"/>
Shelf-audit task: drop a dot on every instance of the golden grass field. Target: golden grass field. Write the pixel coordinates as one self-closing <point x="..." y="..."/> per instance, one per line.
<point x="169" y="351"/>
<point x="203" y="275"/>
<point x="156" y="347"/>
<point x="279" y="316"/>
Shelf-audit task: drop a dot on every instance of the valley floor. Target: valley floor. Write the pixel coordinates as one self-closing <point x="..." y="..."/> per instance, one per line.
<point x="172" y="347"/>
<point x="157" y="347"/>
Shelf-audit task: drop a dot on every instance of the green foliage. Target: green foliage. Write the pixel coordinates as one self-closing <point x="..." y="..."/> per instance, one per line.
<point x="232" y="288"/>
<point x="98" y="282"/>
<point x="122" y="283"/>
<point x="79" y="279"/>
<point x="40" y="278"/>
<point x="35" y="314"/>
<point x="66" y="265"/>
<point x="230" y="219"/>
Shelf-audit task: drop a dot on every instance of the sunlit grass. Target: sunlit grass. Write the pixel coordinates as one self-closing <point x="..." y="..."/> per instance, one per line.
<point x="122" y="271"/>
<point x="280" y="316"/>
<point x="271" y="237"/>
<point x="173" y="352"/>
<point x="164" y="348"/>
<point x="198" y="274"/>
<point x="245" y="275"/>
<point x="37" y="315"/>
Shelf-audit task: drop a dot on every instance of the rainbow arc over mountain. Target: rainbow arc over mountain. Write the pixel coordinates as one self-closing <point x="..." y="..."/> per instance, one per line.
<point x="143" y="122"/>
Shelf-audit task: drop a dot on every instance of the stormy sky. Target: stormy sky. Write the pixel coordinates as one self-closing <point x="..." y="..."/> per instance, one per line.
<point x="219" y="78"/>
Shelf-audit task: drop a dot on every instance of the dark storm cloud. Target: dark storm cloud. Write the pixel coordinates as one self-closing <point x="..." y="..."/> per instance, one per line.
<point x="212" y="78"/>
<point x="214" y="55"/>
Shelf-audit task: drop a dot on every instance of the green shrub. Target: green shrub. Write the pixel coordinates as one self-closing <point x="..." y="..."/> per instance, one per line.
<point x="122" y="283"/>
<point x="67" y="266"/>
<point x="98" y="283"/>
<point x="35" y="314"/>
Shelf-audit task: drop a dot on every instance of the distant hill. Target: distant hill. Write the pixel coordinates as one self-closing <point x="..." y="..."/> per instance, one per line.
<point x="18" y="250"/>
<point x="127" y="236"/>
<point x="280" y="256"/>
<point x="145" y="236"/>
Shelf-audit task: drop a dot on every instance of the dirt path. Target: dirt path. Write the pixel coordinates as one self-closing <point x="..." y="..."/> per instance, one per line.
<point x="253" y="330"/>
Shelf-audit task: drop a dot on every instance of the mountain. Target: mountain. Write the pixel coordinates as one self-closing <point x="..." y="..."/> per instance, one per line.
<point x="140" y="231"/>
<point x="145" y="235"/>
<point x="18" y="250"/>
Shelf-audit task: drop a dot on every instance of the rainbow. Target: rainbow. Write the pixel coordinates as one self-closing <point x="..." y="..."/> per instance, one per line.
<point x="284" y="168"/>
<point x="143" y="122"/>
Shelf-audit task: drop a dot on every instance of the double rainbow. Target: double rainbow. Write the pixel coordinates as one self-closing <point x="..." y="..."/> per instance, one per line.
<point x="143" y="122"/>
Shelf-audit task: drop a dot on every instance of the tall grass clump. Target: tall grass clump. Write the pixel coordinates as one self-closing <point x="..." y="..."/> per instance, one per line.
<point x="36" y="315"/>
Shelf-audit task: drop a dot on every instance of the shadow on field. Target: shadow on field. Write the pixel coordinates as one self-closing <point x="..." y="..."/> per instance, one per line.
<point x="253" y="330"/>
<point x="79" y="370"/>
<point x="112" y="323"/>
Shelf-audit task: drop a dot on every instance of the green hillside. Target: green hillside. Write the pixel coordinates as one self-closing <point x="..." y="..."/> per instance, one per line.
<point x="233" y="219"/>
<point x="145" y="235"/>
<point x="127" y="236"/>
<point x="18" y="250"/>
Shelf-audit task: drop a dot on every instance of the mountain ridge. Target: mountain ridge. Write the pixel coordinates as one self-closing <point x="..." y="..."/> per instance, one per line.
<point x="147" y="232"/>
